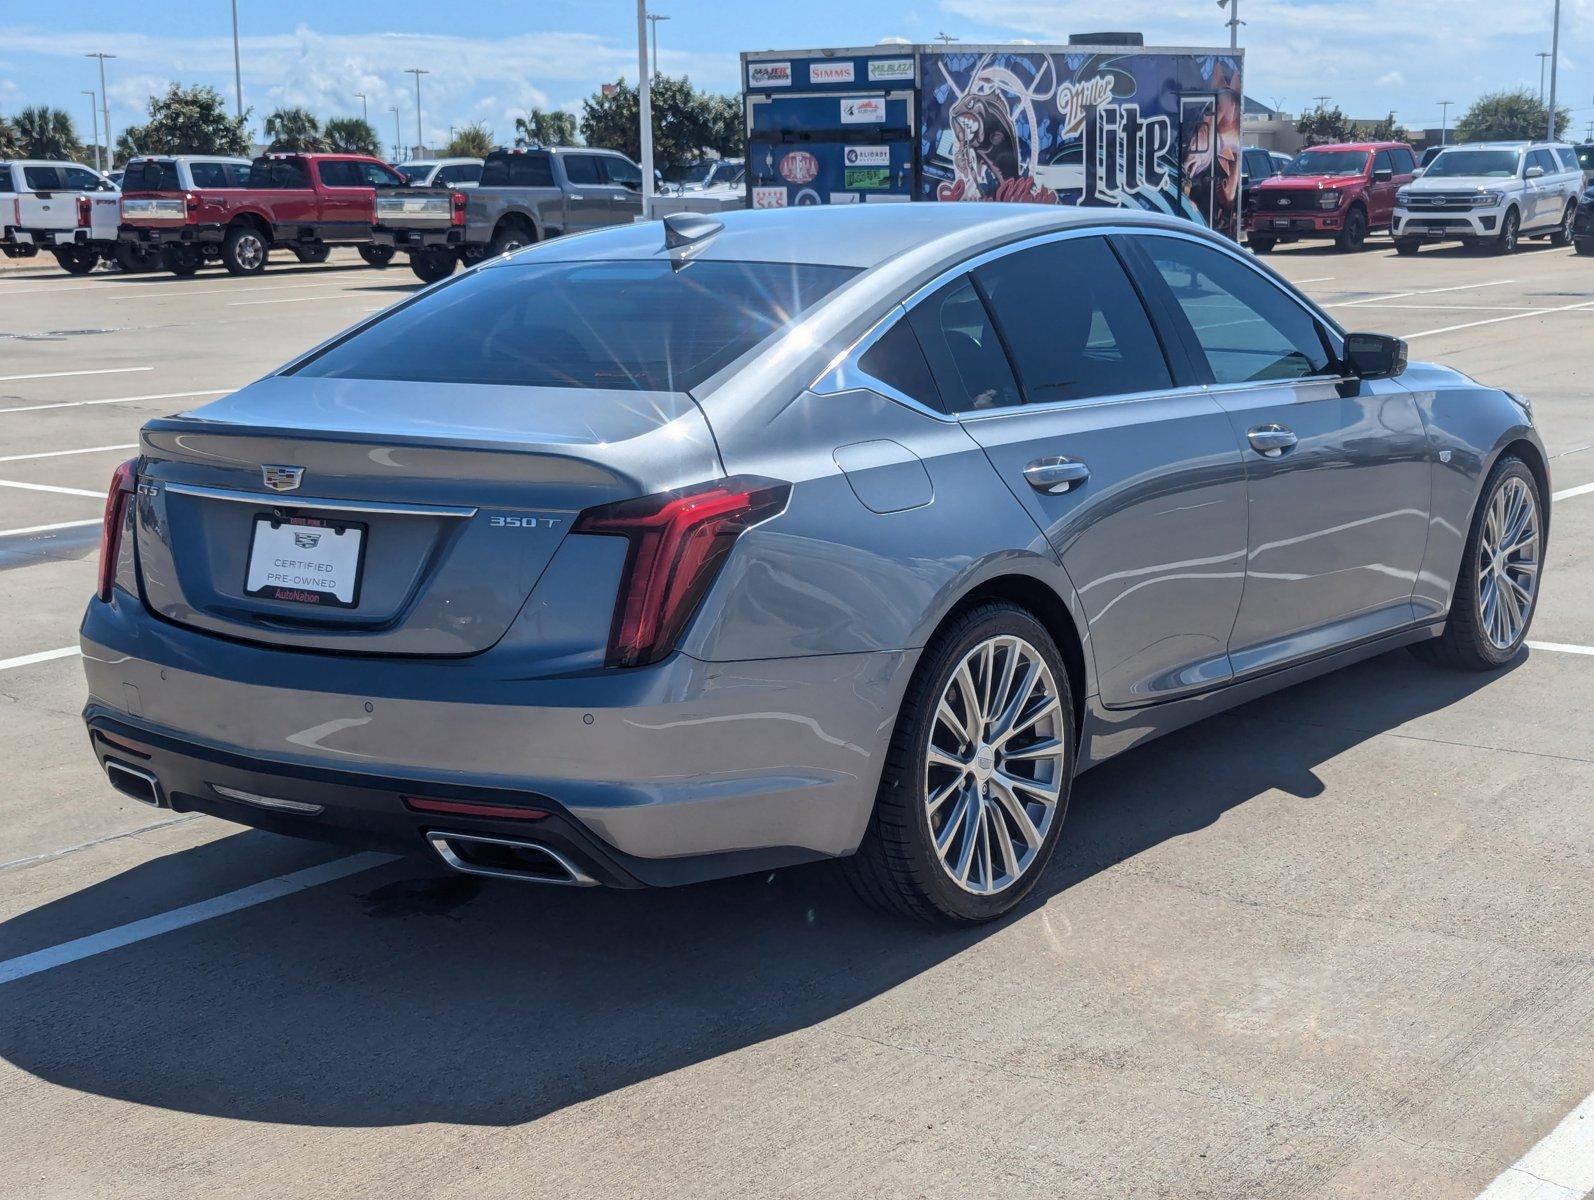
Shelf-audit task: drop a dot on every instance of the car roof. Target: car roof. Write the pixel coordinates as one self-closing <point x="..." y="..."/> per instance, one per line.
<point x="188" y="158"/>
<point x="850" y="235"/>
<point x="1356" y="146"/>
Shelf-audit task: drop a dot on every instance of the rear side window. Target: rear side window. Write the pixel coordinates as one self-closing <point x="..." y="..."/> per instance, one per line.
<point x="1089" y="338"/>
<point x="897" y="360"/>
<point x="342" y="175"/>
<point x="462" y="173"/>
<point x="80" y="179"/>
<point x="152" y="175"/>
<point x="517" y="170"/>
<point x="6" y="187"/>
<point x="1248" y="329"/>
<point x="1568" y="157"/>
<point x="616" y="326"/>
<point x="41" y="179"/>
<point x="582" y="168"/>
<point x="274" y="174"/>
<point x="208" y="174"/>
<point x="965" y="354"/>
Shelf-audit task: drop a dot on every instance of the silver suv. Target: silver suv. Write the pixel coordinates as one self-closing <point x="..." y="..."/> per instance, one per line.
<point x="1491" y="193"/>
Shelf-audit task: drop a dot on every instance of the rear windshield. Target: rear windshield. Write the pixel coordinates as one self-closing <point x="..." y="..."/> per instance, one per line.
<point x="151" y="175"/>
<point x="624" y="326"/>
<point x="1585" y="157"/>
<point x="1495" y="164"/>
<point x="1328" y="162"/>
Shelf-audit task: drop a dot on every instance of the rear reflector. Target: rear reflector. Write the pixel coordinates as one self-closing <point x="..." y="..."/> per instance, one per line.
<point x="679" y="541"/>
<point x="122" y="485"/>
<point x="466" y="808"/>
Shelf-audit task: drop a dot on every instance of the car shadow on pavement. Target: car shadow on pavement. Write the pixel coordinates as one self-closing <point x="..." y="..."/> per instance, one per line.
<point x="407" y="995"/>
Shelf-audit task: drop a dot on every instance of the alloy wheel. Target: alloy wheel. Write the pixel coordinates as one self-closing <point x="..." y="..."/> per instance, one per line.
<point x="251" y="251"/>
<point x="995" y="765"/>
<point x="1508" y="563"/>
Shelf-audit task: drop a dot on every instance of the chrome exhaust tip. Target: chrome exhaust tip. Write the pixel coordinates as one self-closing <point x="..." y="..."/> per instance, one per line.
<point x="139" y="784"/>
<point x="508" y="858"/>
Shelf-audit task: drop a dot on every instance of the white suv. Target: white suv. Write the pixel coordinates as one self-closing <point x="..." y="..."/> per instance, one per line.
<point x="1491" y="192"/>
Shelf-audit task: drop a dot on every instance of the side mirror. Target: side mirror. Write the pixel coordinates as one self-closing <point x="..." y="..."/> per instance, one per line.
<point x="1534" y="173"/>
<point x="1374" y="355"/>
<point x="658" y="176"/>
<point x="1383" y="175"/>
<point x="1419" y="172"/>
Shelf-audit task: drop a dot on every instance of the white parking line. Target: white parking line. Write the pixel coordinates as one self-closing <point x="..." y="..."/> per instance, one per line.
<point x="1561" y="648"/>
<point x="1561" y="1167"/>
<point x="296" y="299"/>
<point x="1460" y="287"/>
<point x="27" y="660"/>
<point x="1567" y="493"/>
<point x="64" y="374"/>
<point x="78" y="949"/>
<point x="115" y="400"/>
<point x="1537" y="312"/>
<point x="1317" y="279"/>
<point x="157" y="289"/>
<point x="63" y="453"/>
<point x="52" y="487"/>
<point x="27" y="529"/>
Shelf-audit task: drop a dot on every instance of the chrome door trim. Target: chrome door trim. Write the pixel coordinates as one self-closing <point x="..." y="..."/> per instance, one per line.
<point x="281" y="500"/>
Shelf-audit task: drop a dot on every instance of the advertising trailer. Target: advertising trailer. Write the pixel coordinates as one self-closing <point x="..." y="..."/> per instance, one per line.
<point x="1155" y="128"/>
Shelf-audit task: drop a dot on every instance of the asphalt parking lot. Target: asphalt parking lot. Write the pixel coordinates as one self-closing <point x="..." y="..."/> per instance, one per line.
<point x="1335" y="943"/>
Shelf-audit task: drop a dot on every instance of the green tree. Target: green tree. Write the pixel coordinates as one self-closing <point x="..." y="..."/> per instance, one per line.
<point x="473" y="141"/>
<point x="294" y="129"/>
<point x="10" y="140"/>
<point x="1509" y="116"/>
<point x="47" y="132"/>
<point x="1386" y="129"/>
<point x="538" y="128"/>
<point x="686" y="122"/>
<point x="186" y="120"/>
<point x="352" y="135"/>
<point x="1322" y="126"/>
<point x="728" y="132"/>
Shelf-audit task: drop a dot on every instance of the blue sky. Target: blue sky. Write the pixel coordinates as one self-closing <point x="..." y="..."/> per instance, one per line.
<point x="490" y="60"/>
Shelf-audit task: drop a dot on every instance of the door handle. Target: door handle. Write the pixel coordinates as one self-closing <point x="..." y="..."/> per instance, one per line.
<point x="574" y="196"/>
<point x="1271" y="441"/>
<point x="1055" y="475"/>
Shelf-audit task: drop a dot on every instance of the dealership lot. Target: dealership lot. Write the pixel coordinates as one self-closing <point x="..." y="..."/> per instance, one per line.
<point x="1333" y="943"/>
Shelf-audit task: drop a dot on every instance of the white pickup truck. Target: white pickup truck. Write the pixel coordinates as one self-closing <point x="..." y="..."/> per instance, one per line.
<point x="63" y="207"/>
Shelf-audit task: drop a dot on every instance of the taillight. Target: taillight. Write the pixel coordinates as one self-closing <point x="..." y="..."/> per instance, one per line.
<point x="190" y="205"/>
<point x="457" y="209"/>
<point x="463" y="808"/>
<point x="85" y="212"/>
<point x="122" y="486"/>
<point x="679" y="541"/>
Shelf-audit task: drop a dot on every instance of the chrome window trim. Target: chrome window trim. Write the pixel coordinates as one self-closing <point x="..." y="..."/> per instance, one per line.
<point x="844" y="374"/>
<point x="283" y="500"/>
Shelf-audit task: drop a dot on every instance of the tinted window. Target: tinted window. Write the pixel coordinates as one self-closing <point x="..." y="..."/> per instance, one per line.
<point x="151" y="175"/>
<point x="1568" y="158"/>
<point x="375" y="175"/>
<point x="517" y="170"/>
<point x="80" y="179"/>
<point x="238" y="174"/>
<point x="966" y="356"/>
<point x="5" y="180"/>
<point x="897" y="360"/>
<point x="1088" y="337"/>
<point x="1585" y="156"/>
<point x="1328" y="162"/>
<point x="625" y="326"/>
<point x="622" y="171"/>
<point x="462" y="173"/>
<point x="1405" y="162"/>
<point x="342" y="174"/>
<point x="582" y="168"/>
<point x="278" y="173"/>
<point x="1247" y="327"/>
<point x="1454" y="163"/>
<point x="208" y="174"/>
<point x="41" y="179"/>
<point x="1383" y="162"/>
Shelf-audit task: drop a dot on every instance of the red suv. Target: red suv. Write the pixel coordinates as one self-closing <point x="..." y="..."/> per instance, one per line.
<point x="1342" y="192"/>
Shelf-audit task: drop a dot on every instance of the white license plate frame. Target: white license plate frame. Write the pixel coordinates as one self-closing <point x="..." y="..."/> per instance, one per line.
<point x="334" y="562"/>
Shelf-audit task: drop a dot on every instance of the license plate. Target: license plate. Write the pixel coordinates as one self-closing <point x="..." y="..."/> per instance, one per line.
<point x="305" y="561"/>
<point x="1281" y="223"/>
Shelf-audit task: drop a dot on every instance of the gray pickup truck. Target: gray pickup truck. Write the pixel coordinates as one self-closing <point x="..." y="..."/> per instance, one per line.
<point x="524" y="196"/>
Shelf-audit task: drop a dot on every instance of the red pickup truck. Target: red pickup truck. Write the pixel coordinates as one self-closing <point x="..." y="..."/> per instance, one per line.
<point x="305" y="203"/>
<point x="1343" y="192"/>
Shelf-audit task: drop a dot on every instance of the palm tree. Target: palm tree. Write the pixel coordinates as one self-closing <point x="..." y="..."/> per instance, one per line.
<point x="538" y="128"/>
<point x="351" y="135"/>
<point x="473" y="141"/>
<point x="294" y="129"/>
<point x="47" y="132"/>
<point x="10" y="141"/>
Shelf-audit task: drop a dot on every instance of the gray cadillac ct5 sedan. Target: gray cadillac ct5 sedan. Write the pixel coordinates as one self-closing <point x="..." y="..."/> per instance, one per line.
<point x="700" y="547"/>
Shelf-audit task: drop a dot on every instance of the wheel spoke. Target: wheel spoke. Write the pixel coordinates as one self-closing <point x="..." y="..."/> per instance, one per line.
<point x="1021" y="694"/>
<point x="1017" y="813"/>
<point x="934" y="803"/>
<point x="1033" y="718"/>
<point x="971" y="837"/>
<point x="971" y="699"/>
<point x="1050" y="748"/>
<point x="1004" y="842"/>
<point x="937" y="757"/>
<point x="945" y="714"/>
<point x="949" y="831"/>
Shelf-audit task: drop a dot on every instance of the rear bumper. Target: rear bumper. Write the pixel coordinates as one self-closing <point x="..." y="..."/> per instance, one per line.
<point x="1447" y="226"/>
<point x="451" y="237"/>
<point x="682" y="771"/>
<point x="169" y="235"/>
<point x="47" y="238"/>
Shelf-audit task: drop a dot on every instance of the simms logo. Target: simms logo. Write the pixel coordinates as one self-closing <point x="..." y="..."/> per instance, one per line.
<point x="769" y="74"/>
<point x="830" y="72"/>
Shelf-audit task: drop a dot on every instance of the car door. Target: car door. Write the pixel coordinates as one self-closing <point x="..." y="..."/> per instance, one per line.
<point x="1545" y="195"/>
<point x="41" y="203"/>
<point x="1381" y="188"/>
<point x="1135" y="480"/>
<point x="1338" y="469"/>
<point x="587" y="196"/>
<point x="624" y="188"/>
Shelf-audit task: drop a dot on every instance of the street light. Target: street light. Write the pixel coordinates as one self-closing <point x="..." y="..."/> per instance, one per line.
<point x="365" y="112"/>
<point x="94" y="116"/>
<point x="237" y="71"/>
<point x="398" y="138"/>
<point x="1555" y="57"/>
<point x="1444" y="121"/>
<point x="105" y="107"/>
<point x="417" y="72"/>
<point x="1543" y="56"/>
<point x="1233" y="22"/>
<point x="653" y="21"/>
<point x="946" y="39"/>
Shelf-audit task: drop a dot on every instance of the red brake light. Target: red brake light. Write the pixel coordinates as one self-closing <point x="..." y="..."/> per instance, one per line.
<point x="190" y="203"/>
<point x="462" y="808"/>
<point x="85" y="212"/>
<point x="123" y="483"/>
<point x="457" y="214"/>
<point x="679" y="541"/>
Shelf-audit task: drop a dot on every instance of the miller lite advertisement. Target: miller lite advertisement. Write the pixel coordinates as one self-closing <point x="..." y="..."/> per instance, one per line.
<point x="1142" y="130"/>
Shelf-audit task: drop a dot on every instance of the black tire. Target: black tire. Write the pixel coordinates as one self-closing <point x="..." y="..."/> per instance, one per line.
<point x="135" y="258"/>
<point x="1505" y="241"/>
<point x="312" y="254"/>
<point x="76" y="260"/>
<point x="433" y="264"/>
<point x="377" y="256"/>
<point x="509" y="238"/>
<point x="1584" y="245"/>
<point x="1563" y="234"/>
<point x="1354" y="235"/>
<point x="897" y="868"/>
<point x="244" y="250"/>
<point x="181" y="260"/>
<point x="1406" y="245"/>
<point x="1465" y="645"/>
<point x="1261" y="244"/>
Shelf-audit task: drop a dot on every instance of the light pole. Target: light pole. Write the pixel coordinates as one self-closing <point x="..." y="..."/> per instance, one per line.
<point x="417" y="72"/>
<point x="1555" y="56"/>
<point x="1444" y="121"/>
<point x="653" y="22"/>
<point x="105" y="106"/>
<point x="1543" y="57"/>
<point x="644" y="107"/>
<point x="94" y="116"/>
<point x="365" y="112"/>
<point x="1233" y="22"/>
<point x="237" y="71"/>
<point x="398" y="138"/>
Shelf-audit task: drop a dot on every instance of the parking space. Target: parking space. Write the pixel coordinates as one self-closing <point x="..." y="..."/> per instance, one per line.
<point x="1333" y="943"/>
